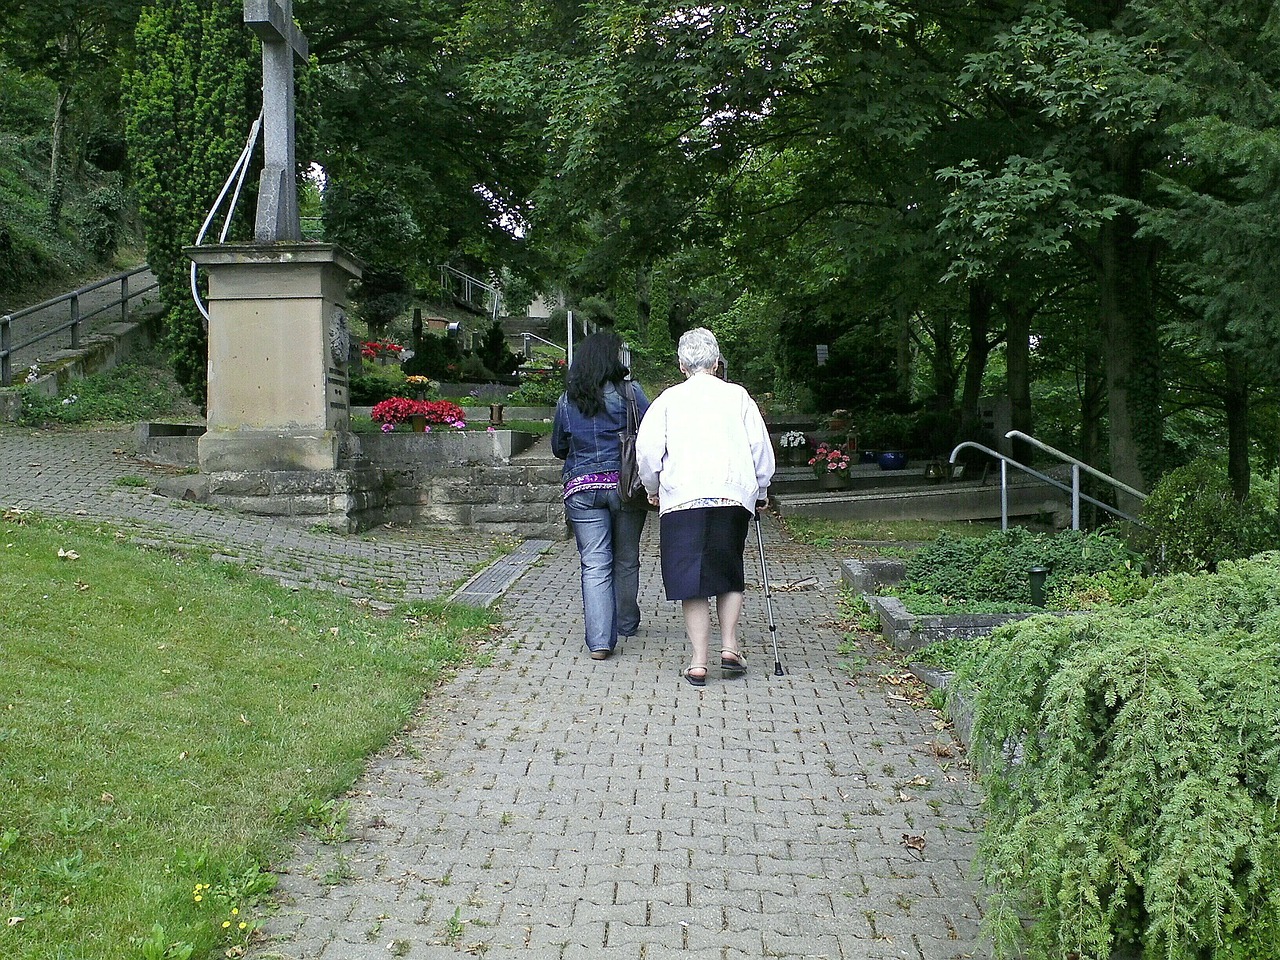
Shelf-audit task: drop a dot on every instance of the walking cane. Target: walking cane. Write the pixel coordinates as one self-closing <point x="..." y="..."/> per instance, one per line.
<point x="768" y="601"/>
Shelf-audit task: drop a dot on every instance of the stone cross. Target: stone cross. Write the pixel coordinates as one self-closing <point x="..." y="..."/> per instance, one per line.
<point x="282" y="42"/>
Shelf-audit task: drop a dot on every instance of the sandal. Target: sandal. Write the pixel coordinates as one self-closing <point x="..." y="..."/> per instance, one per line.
<point x="733" y="662"/>
<point x="697" y="676"/>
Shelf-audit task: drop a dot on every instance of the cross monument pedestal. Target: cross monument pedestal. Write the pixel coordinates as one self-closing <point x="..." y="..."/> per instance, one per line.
<point x="278" y="395"/>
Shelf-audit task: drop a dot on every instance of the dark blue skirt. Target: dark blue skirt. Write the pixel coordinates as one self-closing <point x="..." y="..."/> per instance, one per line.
<point x="702" y="551"/>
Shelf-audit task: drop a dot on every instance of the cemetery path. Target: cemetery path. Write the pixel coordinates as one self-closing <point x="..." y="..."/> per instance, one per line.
<point x="550" y="806"/>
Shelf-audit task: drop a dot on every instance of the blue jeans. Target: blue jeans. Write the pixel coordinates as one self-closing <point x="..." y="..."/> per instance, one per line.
<point x="609" y="546"/>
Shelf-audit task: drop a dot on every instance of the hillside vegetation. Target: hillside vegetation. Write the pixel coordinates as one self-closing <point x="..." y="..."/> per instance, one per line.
<point x="49" y="243"/>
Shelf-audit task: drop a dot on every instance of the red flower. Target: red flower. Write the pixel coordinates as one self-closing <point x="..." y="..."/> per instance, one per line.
<point x="399" y="409"/>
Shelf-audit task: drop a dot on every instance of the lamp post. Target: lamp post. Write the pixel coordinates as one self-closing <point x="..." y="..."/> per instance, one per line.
<point x="1036" y="575"/>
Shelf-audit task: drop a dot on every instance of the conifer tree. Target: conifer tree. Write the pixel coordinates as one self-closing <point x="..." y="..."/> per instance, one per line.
<point x="194" y="76"/>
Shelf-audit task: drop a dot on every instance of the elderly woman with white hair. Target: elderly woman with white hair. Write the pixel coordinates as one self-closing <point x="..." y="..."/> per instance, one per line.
<point x="706" y="461"/>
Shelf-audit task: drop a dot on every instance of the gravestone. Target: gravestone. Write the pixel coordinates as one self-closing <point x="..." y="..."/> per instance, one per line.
<point x="278" y="400"/>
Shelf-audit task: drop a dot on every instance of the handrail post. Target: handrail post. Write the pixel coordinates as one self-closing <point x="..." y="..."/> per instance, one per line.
<point x="1004" y="494"/>
<point x="124" y="298"/>
<point x="6" y="362"/>
<point x="75" y="322"/>
<point x="1075" y="496"/>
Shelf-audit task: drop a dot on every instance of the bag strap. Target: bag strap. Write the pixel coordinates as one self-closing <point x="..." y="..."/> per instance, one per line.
<point x="633" y="412"/>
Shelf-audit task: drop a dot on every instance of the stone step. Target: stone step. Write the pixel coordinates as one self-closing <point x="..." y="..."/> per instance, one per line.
<point x="964" y="500"/>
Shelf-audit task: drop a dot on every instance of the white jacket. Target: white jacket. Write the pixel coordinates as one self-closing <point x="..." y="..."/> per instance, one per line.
<point x="704" y="438"/>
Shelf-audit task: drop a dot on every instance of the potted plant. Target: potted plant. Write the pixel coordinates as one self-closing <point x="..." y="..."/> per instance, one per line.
<point x="830" y="464"/>
<point x="791" y="443"/>
<point x="381" y="352"/>
<point x="421" y="386"/>
<point x="421" y="414"/>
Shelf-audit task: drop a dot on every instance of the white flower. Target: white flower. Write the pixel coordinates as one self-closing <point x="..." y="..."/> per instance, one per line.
<point x="792" y="439"/>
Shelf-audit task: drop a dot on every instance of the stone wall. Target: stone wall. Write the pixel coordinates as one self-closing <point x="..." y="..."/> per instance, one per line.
<point x="474" y="479"/>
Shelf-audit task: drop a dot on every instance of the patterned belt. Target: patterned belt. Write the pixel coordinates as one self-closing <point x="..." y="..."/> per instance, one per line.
<point x="591" y="481"/>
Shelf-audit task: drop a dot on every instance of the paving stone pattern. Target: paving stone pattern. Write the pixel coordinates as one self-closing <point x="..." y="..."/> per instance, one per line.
<point x="551" y="806"/>
<point x="78" y="472"/>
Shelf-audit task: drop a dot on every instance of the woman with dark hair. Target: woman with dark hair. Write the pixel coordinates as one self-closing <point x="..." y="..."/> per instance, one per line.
<point x="591" y="416"/>
<point x="706" y="461"/>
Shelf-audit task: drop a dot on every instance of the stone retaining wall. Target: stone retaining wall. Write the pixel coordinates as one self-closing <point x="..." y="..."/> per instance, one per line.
<point x="463" y="479"/>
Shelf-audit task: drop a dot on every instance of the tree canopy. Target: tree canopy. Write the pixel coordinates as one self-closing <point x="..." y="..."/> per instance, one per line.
<point x="1069" y="204"/>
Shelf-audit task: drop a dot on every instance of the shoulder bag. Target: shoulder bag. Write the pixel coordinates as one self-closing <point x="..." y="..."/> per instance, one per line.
<point x="630" y="490"/>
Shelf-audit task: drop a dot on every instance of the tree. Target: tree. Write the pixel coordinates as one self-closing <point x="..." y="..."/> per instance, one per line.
<point x="78" y="45"/>
<point x="189" y="107"/>
<point x="419" y="170"/>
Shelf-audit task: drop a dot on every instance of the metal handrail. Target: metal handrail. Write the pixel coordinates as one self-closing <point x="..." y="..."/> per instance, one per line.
<point x="533" y="336"/>
<point x="468" y="281"/>
<point x="1074" y="489"/>
<point x="8" y="348"/>
<point x="1067" y="458"/>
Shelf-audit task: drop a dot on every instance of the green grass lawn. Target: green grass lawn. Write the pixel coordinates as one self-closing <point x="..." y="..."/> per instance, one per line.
<point x="168" y="725"/>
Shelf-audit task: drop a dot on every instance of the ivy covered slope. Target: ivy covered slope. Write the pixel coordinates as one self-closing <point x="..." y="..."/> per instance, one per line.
<point x="1131" y="760"/>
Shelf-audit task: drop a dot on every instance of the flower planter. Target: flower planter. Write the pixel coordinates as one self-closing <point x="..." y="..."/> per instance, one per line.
<point x="868" y="456"/>
<point x="833" y="480"/>
<point x="418" y="423"/>
<point x="892" y="460"/>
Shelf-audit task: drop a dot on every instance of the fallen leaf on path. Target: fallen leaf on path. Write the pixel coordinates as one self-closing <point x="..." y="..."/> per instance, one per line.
<point x="913" y="842"/>
<point x="808" y="583"/>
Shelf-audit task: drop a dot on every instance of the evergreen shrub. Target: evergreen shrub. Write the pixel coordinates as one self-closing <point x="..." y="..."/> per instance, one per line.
<point x="1131" y="763"/>
<point x="994" y="568"/>
<point x="1193" y="521"/>
<point x="540" y="388"/>
<point x="370" y="388"/>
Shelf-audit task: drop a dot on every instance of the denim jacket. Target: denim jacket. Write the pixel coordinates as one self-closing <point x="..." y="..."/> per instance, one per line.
<point x="591" y="444"/>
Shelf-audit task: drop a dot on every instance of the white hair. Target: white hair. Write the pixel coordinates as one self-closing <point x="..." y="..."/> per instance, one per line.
<point x="698" y="350"/>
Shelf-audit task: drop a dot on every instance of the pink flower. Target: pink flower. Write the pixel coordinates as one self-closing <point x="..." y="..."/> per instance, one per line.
<point x="387" y="427"/>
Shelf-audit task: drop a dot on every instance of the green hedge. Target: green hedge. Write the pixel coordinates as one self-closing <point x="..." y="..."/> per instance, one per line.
<point x="1131" y="761"/>
<point x="1192" y="520"/>
<point x="994" y="568"/>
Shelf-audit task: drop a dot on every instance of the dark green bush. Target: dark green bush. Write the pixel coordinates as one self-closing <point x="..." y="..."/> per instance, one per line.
<point x="434" y="356"/>
<point x="494" y="354"/>
<point x="1131" y="762"/>
<point x="368" y="389"/>
<point x="1193" y="522"/>
<point x="539" y="388"/>
<point x="994" y="568"/>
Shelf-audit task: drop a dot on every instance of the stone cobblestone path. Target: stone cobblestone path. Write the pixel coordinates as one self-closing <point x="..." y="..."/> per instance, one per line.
<point x="550" y="806"/>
